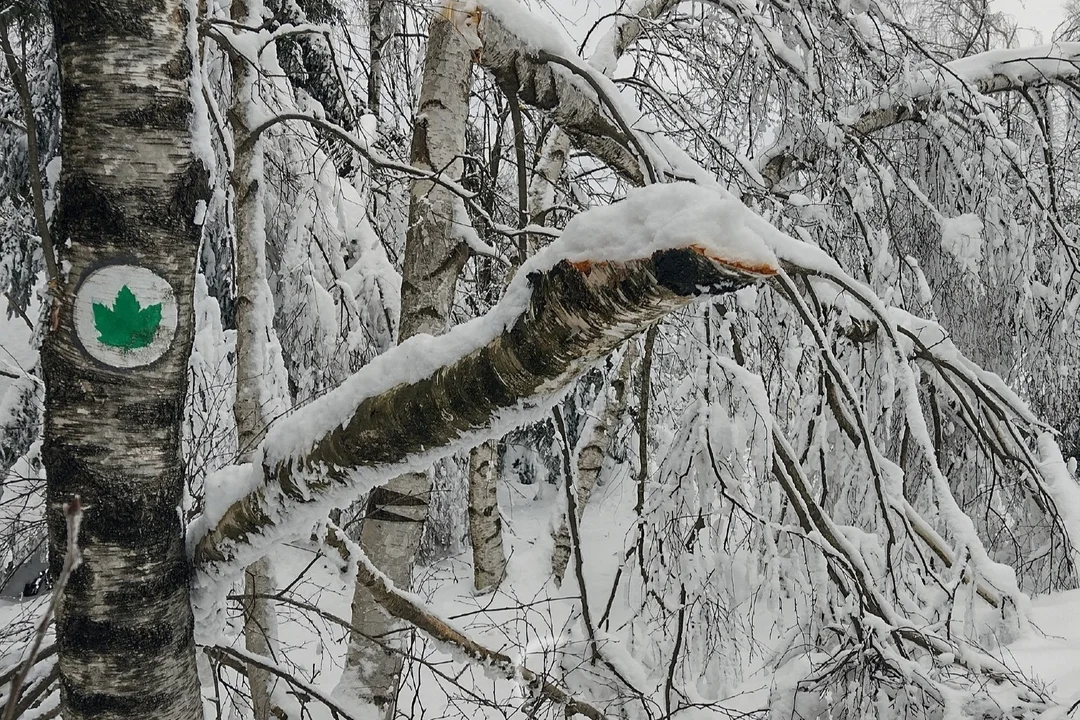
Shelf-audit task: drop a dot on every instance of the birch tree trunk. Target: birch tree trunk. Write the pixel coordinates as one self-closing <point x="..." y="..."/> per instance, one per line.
<point x="590" y="459"/>
<point x="116" y="380"/>
<point x="255" y="350"/>
<point x="381" y="28"/>
<point x="434" y="256"/>
<point x="485" y="523"/>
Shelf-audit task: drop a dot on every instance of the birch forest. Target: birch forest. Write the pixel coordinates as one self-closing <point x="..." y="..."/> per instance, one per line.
<point x="533" y="359"/>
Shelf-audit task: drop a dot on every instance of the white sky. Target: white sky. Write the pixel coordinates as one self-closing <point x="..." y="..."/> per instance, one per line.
<point x="1040" y="16"/>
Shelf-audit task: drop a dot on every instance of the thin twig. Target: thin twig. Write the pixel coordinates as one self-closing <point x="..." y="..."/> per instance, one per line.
<point x="73" y="511"/>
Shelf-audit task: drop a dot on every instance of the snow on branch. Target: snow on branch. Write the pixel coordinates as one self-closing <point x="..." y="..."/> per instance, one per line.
<point x="615" y="271"/>
<point x="987" y="73"/>
<point x="524" y="52"/>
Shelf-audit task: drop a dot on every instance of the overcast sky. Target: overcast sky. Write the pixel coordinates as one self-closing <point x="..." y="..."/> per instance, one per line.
<point x="1038" y="15"/>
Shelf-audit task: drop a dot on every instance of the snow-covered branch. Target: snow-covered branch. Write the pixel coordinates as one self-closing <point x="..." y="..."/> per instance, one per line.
<point x="615" y="271"/>
<point x="988" y="73"/>
<point x="525" y="53"/>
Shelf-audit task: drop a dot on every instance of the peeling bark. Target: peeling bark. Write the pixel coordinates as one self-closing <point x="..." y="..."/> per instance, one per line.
<point x="129" y="188"/>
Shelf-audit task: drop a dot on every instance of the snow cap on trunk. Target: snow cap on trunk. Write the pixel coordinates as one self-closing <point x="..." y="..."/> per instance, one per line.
<point x="665" y="217"/>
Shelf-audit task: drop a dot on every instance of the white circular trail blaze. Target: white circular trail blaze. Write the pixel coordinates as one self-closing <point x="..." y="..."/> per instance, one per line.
<point x="125" y="315"/>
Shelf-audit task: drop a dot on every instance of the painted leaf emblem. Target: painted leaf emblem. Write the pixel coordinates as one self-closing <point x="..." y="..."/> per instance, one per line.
<point x="126" y="325"/>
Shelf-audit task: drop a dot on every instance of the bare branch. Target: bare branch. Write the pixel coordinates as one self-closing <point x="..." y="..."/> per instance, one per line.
<point x="403" y="607"/>
<point x="73" y="511"/>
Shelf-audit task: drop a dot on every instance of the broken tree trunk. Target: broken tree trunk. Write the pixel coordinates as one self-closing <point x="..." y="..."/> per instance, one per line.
<point x="506" y="369"/>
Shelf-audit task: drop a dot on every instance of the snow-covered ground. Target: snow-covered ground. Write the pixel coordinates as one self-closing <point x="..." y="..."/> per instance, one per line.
<point x="1052" y="652"/>
<point x="529" y="618"/>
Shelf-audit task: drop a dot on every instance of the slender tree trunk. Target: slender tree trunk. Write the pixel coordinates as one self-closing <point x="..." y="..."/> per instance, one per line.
<point x="590" y="459"/>
<point x="255" y="348"/>
<point x="380" y="30"/>
<point x="434" y="256"/>
<point x="485" y="523"/>
<point x="549" y="169"/>
<point x="116" y="381"/>
<point x="260" y="636"/>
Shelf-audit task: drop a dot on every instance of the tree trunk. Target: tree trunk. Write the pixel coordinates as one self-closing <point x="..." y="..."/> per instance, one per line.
<point x="590" y="459"/>
<point x="257" y="353"/>
<point x="434" y="256"/>
<point x="381" y="28"/>
<point x="485" y="524"/>
<point x="116" y="377"/>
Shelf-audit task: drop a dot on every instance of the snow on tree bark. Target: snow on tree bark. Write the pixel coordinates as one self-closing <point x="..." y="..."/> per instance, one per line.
<point x="988" y="73"/>
<point x="577" y="111"/>
<point x="130" y="183"/>
<point x="258" y="354"/>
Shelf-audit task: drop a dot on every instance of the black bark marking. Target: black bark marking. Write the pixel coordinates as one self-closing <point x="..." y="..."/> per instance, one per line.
<point x="85" y="635"/>
<point x="89" y="210"/>
<point x="165" y="113"/>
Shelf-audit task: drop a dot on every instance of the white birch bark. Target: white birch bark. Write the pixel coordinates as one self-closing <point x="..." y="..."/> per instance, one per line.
<point x="258" y="355"/>
<point x="591" y="456"/>
<point x="485" y="523"/>
<point x="434" y="256"/>
<point x="131" y="183"/>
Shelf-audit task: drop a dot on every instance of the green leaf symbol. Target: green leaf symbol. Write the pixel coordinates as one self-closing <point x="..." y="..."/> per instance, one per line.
<point x="126" y="325"/>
